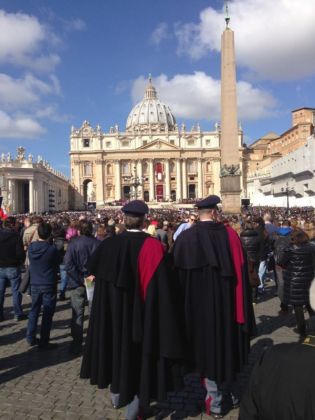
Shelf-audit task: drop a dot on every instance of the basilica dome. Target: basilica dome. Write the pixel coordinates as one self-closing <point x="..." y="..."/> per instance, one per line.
<point x="151" y="113"/>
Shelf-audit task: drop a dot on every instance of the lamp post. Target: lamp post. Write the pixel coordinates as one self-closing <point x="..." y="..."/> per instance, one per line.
<point x="287" y="191"/>
<point x="134" y="181"/>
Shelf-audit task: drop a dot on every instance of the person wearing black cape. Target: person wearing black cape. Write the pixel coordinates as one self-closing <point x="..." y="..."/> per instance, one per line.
<point x="219" y="318"/>
<point x="134" y="341"/>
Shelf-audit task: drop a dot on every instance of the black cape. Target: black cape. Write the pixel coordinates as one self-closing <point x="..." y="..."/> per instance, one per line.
<point x="218" y="346"/>
<point x="134" y="339"/>
<point x="282" y="385"/>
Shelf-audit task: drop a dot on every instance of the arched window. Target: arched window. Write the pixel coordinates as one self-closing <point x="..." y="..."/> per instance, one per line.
<point x="172" y="167"/>
<point x="109" y="169"/>
<point x="208" y="166"/>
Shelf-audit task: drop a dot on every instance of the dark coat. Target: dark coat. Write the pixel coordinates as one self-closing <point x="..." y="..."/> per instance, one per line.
<point x="298" y="264"/>
<point x="252" y="244"/>
<point x="282" y="241"/>
<point x="76" y="259"/>
<point x="134" y="333"/>
<point x="218" y="343"/>
<point x="43" y="261"/>
<point x="12" y="253"/>
<point x="281" y="385"/>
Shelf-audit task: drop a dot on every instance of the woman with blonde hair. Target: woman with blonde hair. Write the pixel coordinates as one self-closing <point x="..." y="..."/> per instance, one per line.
<point x="152" y="230"/>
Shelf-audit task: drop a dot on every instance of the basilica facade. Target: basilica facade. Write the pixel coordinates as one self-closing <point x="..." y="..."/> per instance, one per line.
<point x="152" y="159"/>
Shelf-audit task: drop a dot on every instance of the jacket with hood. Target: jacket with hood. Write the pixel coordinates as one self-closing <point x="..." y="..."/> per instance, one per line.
<point x="11" y="249"/>
<point x="298" y="273"/>
<point x="44" y="261"/>
<point x="282" y="241"/>
<point x="252" y="243"/>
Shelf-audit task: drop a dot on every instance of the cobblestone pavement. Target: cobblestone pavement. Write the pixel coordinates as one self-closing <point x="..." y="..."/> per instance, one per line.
<point x="46" y="385"/>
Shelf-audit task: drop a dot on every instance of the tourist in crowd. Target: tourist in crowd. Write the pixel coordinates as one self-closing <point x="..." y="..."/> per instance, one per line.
<point x="152" y="230"/>
<point x="100" y="233"/>
<point x="281" y="243"/>
<point x="270" y="227"/>
<point x="12" y="256"/>
<point x="72" y="230"/>
<point x="44" y="263"/>
<point x="110" y="231"/>
<point x="30" y="233"/>
<point x="218" y="310"/>
<point x="119" y="228"/>
<point x="76" y="258"/>
<point x="162" y="233"/>
<point x="253" y="245"/>
<point x="298" y="272"/>
<point x="264" y="252"/>
<point x="184" y="226"/>
<point x="60" y="242"/>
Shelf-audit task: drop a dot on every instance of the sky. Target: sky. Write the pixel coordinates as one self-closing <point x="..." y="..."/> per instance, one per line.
<point x="63" y="62"/>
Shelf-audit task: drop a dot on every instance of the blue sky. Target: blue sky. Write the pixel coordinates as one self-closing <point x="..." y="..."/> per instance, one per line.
<point x="64" y="62"/>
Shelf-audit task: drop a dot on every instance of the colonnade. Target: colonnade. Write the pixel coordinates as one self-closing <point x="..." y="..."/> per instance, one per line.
<point x="40" y="196"/>
<point x="179" y="178"/>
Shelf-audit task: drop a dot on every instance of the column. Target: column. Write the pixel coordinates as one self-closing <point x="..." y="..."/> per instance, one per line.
<point x="117" y="180"/>
<point x="99" y="180"/>
<point x="42" y="195"/>
<point x="184" y="173"/>
<point x="139" y="175"/>
<point x="36" y="197"/>
<point x="167" y="180"/>
<point x="178" y="181"/>
<point x="31" y="196"/>
<point x="10" y="195"/>
<point x="200" y="179"/>
<point x="151" y="179"/>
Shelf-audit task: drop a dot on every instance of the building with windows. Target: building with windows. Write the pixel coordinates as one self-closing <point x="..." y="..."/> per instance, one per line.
<point x="152" y="158"/>
<point x="28" y="185"/>
<point x="281" y="168"/>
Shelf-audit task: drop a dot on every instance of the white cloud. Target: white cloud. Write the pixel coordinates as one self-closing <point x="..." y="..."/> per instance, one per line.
<point x="160" y="33"/>
<point x="19" y="127"/>
<point x="26" y="91"/>
<point x="274" y="39"/>
<point x="22" y="37"/>
<point x="197" y="96"/>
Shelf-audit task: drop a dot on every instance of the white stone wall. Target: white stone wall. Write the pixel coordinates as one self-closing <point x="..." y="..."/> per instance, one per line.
<point x="293" y="173"/>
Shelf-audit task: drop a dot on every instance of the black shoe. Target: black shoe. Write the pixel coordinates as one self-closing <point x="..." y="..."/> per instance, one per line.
<point x="62" y="296"/>
<point x="20" y="317"/>
<point x="47" y="346"/>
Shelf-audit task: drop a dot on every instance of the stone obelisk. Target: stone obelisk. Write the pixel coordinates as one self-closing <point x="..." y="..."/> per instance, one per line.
<point x="229" y="141"/>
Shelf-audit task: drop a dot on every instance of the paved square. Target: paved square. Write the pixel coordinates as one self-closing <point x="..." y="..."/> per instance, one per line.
<point x="46" y="385"/>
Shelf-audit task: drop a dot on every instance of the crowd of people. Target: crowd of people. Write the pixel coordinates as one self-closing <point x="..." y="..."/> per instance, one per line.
<point x="174" y="292"/>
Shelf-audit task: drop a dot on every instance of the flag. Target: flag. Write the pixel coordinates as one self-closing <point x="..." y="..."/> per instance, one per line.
<point x="3" y="212"/>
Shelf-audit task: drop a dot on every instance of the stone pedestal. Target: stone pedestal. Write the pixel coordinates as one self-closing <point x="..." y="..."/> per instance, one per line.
<point x="230" y="194"/>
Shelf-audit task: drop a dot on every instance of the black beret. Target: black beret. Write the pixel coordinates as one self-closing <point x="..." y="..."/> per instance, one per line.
<point x="209" y="202"/>
<point x="136" y="207"/>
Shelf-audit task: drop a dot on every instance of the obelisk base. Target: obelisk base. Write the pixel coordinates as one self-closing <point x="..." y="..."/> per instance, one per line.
<point x="231" y="194"/>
